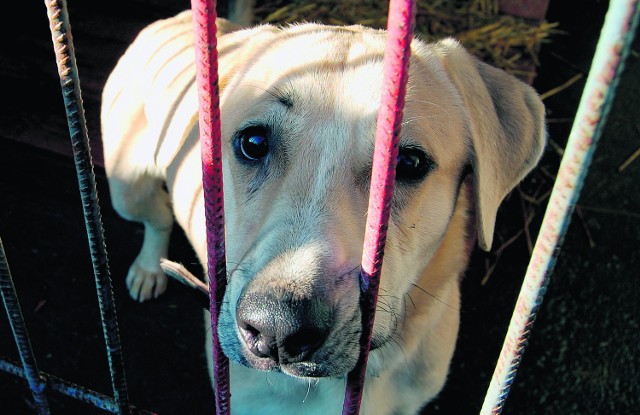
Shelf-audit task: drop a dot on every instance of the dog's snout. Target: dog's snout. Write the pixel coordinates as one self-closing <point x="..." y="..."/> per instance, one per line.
<point x="286" y="331"/>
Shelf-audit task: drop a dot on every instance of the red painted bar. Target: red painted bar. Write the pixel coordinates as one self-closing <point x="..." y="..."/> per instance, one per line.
<point x="400" y="24"/>
<point x="204" y="15"/>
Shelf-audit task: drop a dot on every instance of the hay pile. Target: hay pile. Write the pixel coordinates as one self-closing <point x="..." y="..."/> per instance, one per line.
<point x="504" y="41"/>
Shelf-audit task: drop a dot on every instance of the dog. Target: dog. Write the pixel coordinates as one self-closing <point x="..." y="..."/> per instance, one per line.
<point x="298" y="109"/>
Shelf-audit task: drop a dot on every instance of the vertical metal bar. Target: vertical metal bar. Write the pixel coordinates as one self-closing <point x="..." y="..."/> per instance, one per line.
<point x="613" y="47"/>
<point x="70" y="83"/>
<point x="204" y="16"/>
<point x="21" y="336"/>
<point x="400" y="25"/>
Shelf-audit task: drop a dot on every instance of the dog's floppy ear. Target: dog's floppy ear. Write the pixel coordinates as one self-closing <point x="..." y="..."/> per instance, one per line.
<point x="506" y="127"/>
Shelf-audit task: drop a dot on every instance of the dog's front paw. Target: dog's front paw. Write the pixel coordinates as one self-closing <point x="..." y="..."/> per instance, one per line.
<point x="145" y="283"/>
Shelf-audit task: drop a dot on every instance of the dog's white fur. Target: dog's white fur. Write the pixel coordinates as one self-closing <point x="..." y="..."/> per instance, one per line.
<point x="295" y="224"/>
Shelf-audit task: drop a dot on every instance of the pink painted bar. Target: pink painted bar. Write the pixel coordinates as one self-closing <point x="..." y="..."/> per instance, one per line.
<point x="204" y="15"/>
<point x="614" y="44"/>
<point x="400" y="26"/>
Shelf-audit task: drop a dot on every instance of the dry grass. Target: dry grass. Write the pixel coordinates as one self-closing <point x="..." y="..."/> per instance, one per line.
<point x="504" y="41"/>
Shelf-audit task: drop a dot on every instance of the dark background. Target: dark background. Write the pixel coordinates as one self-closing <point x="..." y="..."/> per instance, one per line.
<point x="583" y="356"/>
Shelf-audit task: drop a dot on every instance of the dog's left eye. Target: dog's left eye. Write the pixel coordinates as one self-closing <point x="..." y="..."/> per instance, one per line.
<point x="413" y="164"/>
<point x="252" y="143"/>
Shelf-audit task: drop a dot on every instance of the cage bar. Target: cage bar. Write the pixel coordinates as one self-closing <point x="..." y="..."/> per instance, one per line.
<point x="613" y="47"/>
<point x="21" y="336"/>
<point x="70" y="389"/>
<point x="204" y="17"/>
<point x="400" y="24"/>
<point x="70" y="85"/>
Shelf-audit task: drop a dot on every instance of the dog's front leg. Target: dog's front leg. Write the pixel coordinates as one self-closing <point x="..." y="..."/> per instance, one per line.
<point x="144" y="200"/>
<point x="145" y="278"/>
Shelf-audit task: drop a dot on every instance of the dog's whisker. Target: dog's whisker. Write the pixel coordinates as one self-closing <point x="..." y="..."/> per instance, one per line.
<point x="395" y="297"/>
<point x="412" y="302"/>
<point x="308" y="390"/>
<point x="394" y="316"/>
<point x="394" y="340"/>
<point x="410" y="120"/>
<point x="421" y="101"/>
<point x="435" y="297"/>
<point x="404" y="320"/>
<point x="269" y="383"/>
<point x="351" y="271"/>
<point x="383" y="307"/>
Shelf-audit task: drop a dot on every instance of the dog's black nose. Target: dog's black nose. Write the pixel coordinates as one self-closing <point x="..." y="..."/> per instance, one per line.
<point x="285" y="331"/>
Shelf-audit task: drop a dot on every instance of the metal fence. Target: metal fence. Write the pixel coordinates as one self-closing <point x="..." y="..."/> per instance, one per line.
<point x="613" y="47"/>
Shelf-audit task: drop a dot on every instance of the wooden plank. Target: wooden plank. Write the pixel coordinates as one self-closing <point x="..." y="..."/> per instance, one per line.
<point x="529" y="9"/>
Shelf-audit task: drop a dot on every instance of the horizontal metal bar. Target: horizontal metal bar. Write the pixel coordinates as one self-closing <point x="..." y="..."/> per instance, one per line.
<point x="70" y="389"/>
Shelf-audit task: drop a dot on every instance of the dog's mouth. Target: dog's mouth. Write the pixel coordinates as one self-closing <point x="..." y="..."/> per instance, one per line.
<point x="293" y="340"/>
<point x="303" y="324"/>
<point x="325" y="362"/>
<point x="332" y="361"/>
<point x="301" y="337"/>
<point x="304" y="369"/>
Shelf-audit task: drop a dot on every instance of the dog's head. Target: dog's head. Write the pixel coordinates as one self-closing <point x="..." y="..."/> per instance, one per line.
<point x="299" y="107"/>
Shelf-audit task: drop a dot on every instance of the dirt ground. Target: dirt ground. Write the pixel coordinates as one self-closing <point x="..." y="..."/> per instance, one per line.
<point x="583" y="356"/>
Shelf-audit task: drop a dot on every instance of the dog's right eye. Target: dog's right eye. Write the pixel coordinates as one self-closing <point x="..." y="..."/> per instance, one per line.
<point x="252" y="144"/>
<point x="413" y="164"/>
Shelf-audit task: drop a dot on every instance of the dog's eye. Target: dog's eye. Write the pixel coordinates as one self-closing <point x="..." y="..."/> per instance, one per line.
<point x="413" y="164"/>
<point x="252" y="143"/>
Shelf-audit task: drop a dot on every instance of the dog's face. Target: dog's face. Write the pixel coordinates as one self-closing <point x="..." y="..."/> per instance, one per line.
<point x="299" y="108"/>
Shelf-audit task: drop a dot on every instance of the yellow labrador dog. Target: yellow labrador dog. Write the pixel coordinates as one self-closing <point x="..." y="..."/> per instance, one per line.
<point x="298" y="109"/>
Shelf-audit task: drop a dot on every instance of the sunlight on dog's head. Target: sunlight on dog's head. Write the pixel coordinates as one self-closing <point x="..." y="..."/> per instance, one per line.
<point x="298" y="110"/>
<point x="298" y="128"/>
